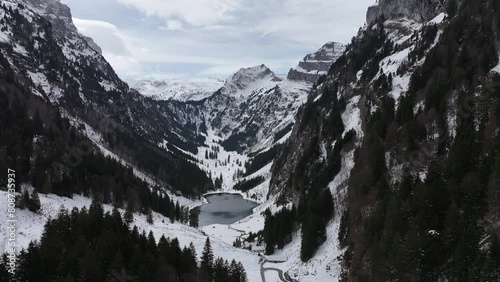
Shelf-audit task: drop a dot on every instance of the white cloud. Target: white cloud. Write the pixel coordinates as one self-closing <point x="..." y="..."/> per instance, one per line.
<point x="105" y="34"/>
<point x="311" y="21"/>
<point x="172" y="25"/>
<point x="113" y="44"/>
<point x="215" y="37"/>
<point x="193" y="12"/>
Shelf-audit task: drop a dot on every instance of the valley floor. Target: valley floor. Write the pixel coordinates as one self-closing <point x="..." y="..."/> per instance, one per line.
<point x="30" y="228"/>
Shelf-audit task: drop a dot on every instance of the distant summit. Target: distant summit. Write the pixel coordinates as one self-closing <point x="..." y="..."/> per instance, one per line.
<point x="179" y="89"/>
<point x="317" y="64"/>
<point x="245" y="78"/>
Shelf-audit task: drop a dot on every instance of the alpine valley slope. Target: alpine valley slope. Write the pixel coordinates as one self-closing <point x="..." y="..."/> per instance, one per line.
<point x="404" y="132"/>
<point x="251" y="114"/>
<point x="42" y="50"/>
<point x="76" y="122"/>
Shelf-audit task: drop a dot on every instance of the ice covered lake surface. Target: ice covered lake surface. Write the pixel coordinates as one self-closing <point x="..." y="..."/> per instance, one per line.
<point x="224" y="208"/>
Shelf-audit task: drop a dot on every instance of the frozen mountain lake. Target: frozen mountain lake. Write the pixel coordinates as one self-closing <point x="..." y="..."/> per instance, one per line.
<point x="224" y="208"/>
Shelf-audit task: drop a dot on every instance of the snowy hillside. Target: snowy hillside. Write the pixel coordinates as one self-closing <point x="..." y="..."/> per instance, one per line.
<point x="179" y="89"/>
<point x="30" y="228"/>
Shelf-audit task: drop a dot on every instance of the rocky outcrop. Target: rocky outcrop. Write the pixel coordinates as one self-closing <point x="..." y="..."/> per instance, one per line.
<point x="317" y="64"/>
<point x="242" y="79"/>
<point x="92" y="44"/>
<point x="252" y="106"/>
<point x="417" y="10"/>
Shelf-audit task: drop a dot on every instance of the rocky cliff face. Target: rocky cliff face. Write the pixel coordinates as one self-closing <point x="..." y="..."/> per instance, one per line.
<point x="317" y="64"/>
<point x="394" y="44"/>
<point x="416" y="10"/>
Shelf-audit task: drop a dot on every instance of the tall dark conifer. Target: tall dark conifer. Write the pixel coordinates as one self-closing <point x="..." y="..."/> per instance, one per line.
<point x="207" y="258"/>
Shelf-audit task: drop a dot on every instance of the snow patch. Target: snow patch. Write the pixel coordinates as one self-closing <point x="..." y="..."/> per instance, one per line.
<point x="438" y="19"/>
<point x="20" y="50"/>
<point x="496" y="68"/>
<point x="108" y="86"/>
<point x="40" y="80"/>
<point x="352" y="117"/>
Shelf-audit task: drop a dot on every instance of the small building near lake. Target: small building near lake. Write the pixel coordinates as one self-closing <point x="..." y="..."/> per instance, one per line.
<point x="276" y="258"/>
<point x="257" y="249"/>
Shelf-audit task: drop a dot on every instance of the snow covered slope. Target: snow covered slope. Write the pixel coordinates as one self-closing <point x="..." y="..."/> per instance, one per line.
<point x="41" y="49"/>
<point x="252" y="111"/>
<point x="180" y="89"/>
<point x="389" y="70"/>
<point x="30" y="228"/>
<point x="253" y="106"/>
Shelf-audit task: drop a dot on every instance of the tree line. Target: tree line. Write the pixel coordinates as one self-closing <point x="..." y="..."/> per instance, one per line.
<point x="91" y="245"/>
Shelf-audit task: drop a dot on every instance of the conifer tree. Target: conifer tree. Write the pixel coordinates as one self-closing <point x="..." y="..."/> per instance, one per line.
<point x="35" y="204"/>
<point x="219" y="271"/>
<point x="128" y="217"/>
<point x="177" y="211"/>
<point x="149" y="217"/>
<point x="239" y="274"/>
<point x="194" y="218"/>
<point x="37" y="123"/>
<point x="25" y="200"/>
<point x="207" y="258"/>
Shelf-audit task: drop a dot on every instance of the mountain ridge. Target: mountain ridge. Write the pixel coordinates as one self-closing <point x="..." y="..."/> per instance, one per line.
<point x="314" y="65"/>
<point x="179" y="89"/>
<point x="381" y="135"/>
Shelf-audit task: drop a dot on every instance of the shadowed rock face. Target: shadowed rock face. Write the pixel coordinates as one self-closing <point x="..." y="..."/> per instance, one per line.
<point x="317" y="64"/>
<point x="418" y="10"/>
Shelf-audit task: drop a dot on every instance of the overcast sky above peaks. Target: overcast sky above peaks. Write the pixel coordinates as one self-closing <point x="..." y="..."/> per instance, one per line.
<point x="213" y="38"/>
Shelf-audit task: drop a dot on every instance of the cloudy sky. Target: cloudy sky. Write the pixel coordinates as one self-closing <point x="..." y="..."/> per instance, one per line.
<point x="213" y="38"/>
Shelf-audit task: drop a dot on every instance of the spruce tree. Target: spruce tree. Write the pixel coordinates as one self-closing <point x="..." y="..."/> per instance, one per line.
<point x="241" y="273"/>
<point x="25" y="200"/>
<point x="37" y="123"/>
<point x="219" y="271"/>
<point x="194" y="218"/>
<point x="149" y="217"/>
<point x="35" y="204"/>
<point x="207" y="258"/>
<point x="177" y="211"/>
<point x="128" y="217"/>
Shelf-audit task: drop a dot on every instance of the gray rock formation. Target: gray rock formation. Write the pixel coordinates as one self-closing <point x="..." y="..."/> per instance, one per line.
<point x="317" y="64"/>
<point x="417" y="10"/>
<point x="92" y="44"/>
<point x="245" y="76"/>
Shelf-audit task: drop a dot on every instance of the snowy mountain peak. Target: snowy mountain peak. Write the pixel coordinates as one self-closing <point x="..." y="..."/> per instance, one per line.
<point x="327" y="52"/>
<point x="317" y="64"/>
<point x="246" y="78"/>
<point x="179" y="89"/>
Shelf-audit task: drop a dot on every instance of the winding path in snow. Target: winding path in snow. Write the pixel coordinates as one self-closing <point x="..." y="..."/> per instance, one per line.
<point x="264" y="269"/>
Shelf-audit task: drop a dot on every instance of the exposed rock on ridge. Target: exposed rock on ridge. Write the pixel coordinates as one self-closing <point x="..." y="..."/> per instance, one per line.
<point x="317" y="64"/>
<point x="417" y="10"/>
